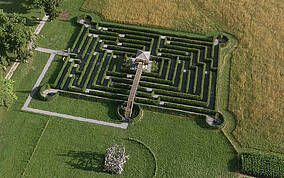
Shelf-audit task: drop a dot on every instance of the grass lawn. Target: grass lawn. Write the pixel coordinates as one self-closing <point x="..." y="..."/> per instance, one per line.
<point x="257" y="67"/>
<point x="182" y="148"/>
<point x="60" y="34"/>
<point x="66" y="148"/>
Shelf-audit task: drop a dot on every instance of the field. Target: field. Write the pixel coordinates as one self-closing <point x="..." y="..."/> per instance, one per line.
<point x="256" y="75"/>
<point x="33" y="145"/>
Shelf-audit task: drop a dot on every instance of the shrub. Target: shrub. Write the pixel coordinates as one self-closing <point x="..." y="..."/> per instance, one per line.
<point x="83" y="40"/>
<point x="99" y="69"/>
<point x="177" y="94"/>
<point x="78" y="37"/>
<point x="262" y="164"/>
<point x="66" y="75"/>
<point x="49" y="97"/>
<point x="156" y="80"/>
<point x="189" y="108"/>
<point x="54" y="85"/>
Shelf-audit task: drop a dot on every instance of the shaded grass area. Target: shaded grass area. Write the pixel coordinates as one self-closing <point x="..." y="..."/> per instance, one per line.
<point x="181" y="146"/>
<point x="256" y="83"/>
<point x="23" y="9"/>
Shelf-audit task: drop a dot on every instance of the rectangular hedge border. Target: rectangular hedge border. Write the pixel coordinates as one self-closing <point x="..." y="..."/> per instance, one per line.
<point x="262" y="164"/>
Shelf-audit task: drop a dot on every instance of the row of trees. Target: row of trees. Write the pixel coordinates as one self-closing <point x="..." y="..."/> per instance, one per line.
<point x="15" y="37"/>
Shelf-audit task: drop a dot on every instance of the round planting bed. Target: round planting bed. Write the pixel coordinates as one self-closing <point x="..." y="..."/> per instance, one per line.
<point x="216" y="121"/>
<point x="137" y="113"/>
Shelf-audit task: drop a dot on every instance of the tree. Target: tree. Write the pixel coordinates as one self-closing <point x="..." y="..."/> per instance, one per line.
<point x="14" y="38"/>
<point x="7" y="95"/>
<point x="51" y="8"/>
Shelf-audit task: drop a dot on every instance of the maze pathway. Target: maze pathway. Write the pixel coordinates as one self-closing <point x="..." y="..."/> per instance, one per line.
<point x="187" y="66"/>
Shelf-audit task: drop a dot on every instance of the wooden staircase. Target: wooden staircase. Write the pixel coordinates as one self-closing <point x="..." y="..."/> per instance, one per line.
<point x="131" y="97"/>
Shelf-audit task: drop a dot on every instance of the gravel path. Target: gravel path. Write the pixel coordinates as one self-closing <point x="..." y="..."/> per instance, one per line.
<point x="82" y="119"/>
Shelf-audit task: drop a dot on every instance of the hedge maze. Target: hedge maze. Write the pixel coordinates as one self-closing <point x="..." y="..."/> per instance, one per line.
<point x="184" y="82"/>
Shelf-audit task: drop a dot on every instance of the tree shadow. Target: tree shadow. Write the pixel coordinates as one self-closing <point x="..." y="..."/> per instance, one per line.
<point x="15" y="6"/>
<point x="112" y="111"/>
<point x="233" y="164"/>
<point x="19" y="7"/>
<point x="85" y="160"/>
<point x="201" y="123"/>
<point x="73" y="22"/>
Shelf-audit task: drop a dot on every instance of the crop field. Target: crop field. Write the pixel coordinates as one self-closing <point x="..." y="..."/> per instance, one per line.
<point x="256" y="74"/>
<point x="185" y="80"/>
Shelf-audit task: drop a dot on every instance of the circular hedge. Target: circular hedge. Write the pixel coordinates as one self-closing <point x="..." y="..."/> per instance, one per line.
<point x="216" y="121"/>
<point x="135" y="116"/>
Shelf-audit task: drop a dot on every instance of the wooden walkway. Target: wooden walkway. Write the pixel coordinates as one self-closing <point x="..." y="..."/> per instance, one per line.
<point x="128" y="110"/>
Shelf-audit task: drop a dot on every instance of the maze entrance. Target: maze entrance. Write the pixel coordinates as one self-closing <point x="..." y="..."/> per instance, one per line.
<point x="186" y="75"/>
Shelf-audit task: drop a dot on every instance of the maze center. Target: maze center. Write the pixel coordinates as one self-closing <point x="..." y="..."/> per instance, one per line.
<point x="186" y="66"/>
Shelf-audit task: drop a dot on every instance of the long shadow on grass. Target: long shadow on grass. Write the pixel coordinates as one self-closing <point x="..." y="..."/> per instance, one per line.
<point x="73" y="22"/>
<point x="85" y="160"/>
<point x="19" y="7"/>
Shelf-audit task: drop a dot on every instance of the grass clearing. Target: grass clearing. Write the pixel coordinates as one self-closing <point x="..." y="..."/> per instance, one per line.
<point x="78" y="147"/>
<point x="256" y="83"/>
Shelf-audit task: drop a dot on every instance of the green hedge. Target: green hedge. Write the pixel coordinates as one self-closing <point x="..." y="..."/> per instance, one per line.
<point x="54" y="85"/>
<point x="87" y="47"/>
<point x="104" y="37"/>
<point x="132" y="32"/>
<point x="154" y="85"/>
<point x="124" y="49"/>
<point x="181" y="76"/>
<point x="189" y="108"/>
<point x="156" y="80"/>
<point x="121" y="80"/>
<point x="109" y="95"/>
<point x="83" y="40"/>
<point x="177" y="94"/>
<point x="262" y="164"/>
<point x="139" y="42"/>
<point x="173" y="52"/>
<point x="78" y="37"/>
<point x="86" y="66"/>
<point x="184" y="101"/>
<point x="48" y="98"/>
<point x="130" y="45"/>
<point x="156" y="32"/>
<point x="101" y="32"/>
<point x="99" y="69"/>
<point x="142" y="38"/>
<point x="66" y="76"/>
<point x="175" y="71"/>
